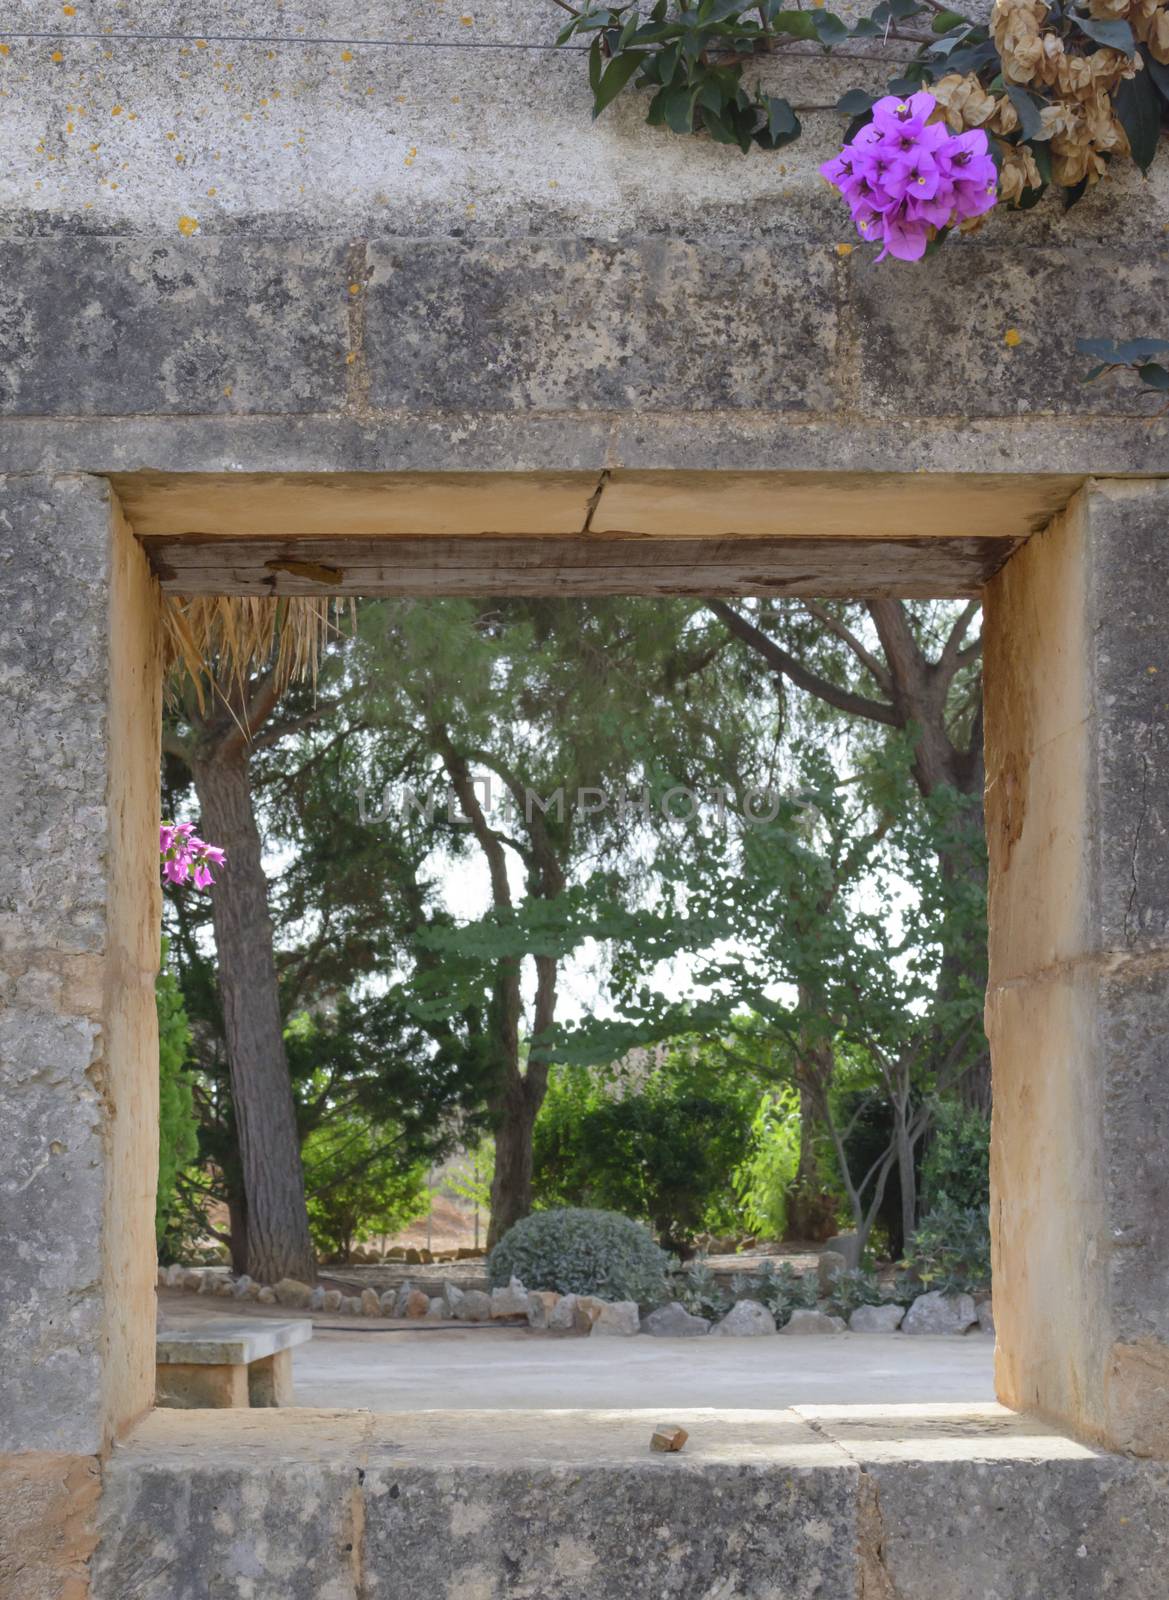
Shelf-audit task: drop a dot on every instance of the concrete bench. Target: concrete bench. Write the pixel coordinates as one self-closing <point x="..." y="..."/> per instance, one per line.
<point x="228" y="1363"/>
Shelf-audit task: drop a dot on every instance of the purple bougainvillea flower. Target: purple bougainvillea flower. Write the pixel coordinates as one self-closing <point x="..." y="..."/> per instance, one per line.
<point x="184" y="855"/>
<point x="905" y="177"/>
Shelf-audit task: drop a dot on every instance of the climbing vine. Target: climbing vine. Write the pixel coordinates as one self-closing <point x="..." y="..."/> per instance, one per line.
<point x="1059" y="90"/>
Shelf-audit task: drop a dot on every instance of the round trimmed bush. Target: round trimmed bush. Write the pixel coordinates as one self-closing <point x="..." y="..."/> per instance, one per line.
<point x="576" y="1251"/>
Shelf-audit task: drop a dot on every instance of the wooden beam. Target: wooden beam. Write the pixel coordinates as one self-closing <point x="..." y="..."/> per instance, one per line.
<point x="583" y="565"/>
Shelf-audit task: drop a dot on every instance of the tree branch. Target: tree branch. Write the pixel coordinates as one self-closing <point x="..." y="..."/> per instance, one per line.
<point x="787" y="666"/>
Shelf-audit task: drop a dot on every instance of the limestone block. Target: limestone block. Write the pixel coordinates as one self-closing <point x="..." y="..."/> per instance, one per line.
<point x="746" y="1319"/>
<point x="197" y="1384"/>
<point x="474" y="1306"/>
<point x="541" y="1304"/>
<point x="634" y="296"/>
<point x="291" y="1292"/>
<point x="510" y="1301"/>
<point x="618" y="1319"/>
<point x="371" y="1305"/>
<point x="562" y="1316"/>
<point x="804" y="1323"/>
<point x="940" y="1313"/>
<point x="674" y="1322"/>
<point x="885" y="1318"/>
<point x="270" y="1380"/>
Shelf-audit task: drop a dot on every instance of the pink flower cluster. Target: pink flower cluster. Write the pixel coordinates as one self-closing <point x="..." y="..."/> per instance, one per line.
<point x="904" y="177"/>
<point x="185" y="855"/>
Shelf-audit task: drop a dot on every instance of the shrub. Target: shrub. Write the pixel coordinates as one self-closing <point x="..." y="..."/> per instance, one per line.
<point x="852" y="1288"/>
<point x="950" y="1251"/>
<point x="781" y="1289"/>
<point x="575" y="1251"/>
<point x="956" y="1165"/>
<point x="697" y="1288"/>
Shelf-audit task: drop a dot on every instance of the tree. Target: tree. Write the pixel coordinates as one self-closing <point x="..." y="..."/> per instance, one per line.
<point x="516" y="724"/>
<point x="215" y="741"/>
<point x="920" y="676"/>
<point x="178" y="1137"/>
<point x="658" y="1141"/>
<point x="358" y="1182"/>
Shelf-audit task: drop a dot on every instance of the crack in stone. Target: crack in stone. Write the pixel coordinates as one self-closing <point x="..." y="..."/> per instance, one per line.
<point x="1129" y="932"/>
<point x="874" y="1579"/>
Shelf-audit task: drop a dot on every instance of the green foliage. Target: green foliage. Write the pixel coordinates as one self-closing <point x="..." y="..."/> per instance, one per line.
<point x="358" y="1182"/>
<point x="659" y="1144"/>
<point x="178" y="1137"/>
<point x="696" y="1287"/>
<point x="577" y="1251"/>
<point x="950" y="1251"/>
<point x="780" y="1288"/>
<point x="692" y="56"/>
<point x="852" y="1288"/>
<point x="956" y="1167"/>
<point x="764" y="1179"/>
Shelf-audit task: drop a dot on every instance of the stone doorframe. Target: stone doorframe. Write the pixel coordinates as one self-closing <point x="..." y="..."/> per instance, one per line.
<point x="1076" y="591"/>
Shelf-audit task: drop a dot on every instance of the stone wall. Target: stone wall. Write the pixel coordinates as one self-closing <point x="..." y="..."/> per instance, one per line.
<point x="903" y="1503"/>
<point x="348" y="235"/>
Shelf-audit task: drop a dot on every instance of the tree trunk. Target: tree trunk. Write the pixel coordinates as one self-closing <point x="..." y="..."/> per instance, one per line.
<point x="906" y="1176"/>
<point x="278" y="1241"/>
<point x="511" y="1187"/>
<point x="237" y="1221"/>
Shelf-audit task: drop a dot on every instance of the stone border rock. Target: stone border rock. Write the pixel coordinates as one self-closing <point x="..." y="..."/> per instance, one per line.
<point x="545" y="1311"/>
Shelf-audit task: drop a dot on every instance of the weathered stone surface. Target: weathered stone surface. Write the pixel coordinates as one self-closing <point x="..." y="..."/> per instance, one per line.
<point x="745" y="1319"/>
<point x="1066" y="1520"/>
<point x="586" y="1308"/>
<point x="562" y="1316"/>
<point x="240" y="1286"/>
<point x="474" y="1306"/>
<point x="618" y="1319"/>
<point x="317" y="1298"/>
<point x="394" y="1301"/>
<point x="846" y="1245"/>
<point x="183" y="326"/>
<point x="75" y="1354"/>
<point x="541" y="1304"/>
<point x="985" y="1311"/>
<point x="514" y="1503"/>
<point x="50" y="1506"/>
<point x="261" y="1505"/>
<point x="436" y="1310"/>
<point x="332" y="1300"/>
<point x="804" y="1323"/>
<point x="674" y="1322"/>
<point x="417" y="1304"/>
<point x="371" y="1305"/>
<point x="885" y="1318"/>
<point x="438" y="314"/>
<point x="222" y="1341"/>
<point x="829" y="1265"/>
<point x="267" y="1295"/>
<point x="511" y="1301"/>
<point x="452" y="1297"/>
<point x="291" y="1292"/>
<point x="940" y="1313"/>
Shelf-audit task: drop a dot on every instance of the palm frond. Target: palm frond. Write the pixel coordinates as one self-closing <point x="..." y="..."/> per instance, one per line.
<point x="222" y="640"/>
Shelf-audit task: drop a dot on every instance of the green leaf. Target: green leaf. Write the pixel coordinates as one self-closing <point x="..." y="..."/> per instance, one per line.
<point x="596" y="66"/>
<point x="1138" y="105"/>
<point x="679" y="109"/>
<point x="855" y="102"/>
<point x="1155" y="376"/>
<point x="1094" y="373"/>
<point x="1024" y="103"/>
<point x="614" y="78"/>
<point x="1114" y="32"/>
<point x="798" y="23"/>
<point x="829" y="28"/>
<point x="945" y="20"/>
